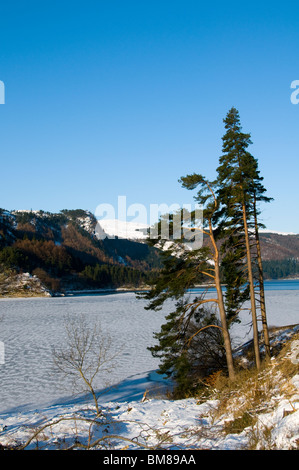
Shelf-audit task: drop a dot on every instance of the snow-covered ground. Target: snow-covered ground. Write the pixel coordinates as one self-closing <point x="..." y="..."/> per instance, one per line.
<point x="31" y="397"/>
<point x="131" y="421"/>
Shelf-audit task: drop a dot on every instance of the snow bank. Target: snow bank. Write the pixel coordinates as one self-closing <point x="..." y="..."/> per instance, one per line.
<point x="129" y="421"/>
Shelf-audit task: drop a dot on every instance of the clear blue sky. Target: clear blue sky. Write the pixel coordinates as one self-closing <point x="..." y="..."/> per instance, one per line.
<point x="122" y="97"/>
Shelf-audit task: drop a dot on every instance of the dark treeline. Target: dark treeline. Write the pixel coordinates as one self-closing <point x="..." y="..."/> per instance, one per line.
<point x="115" y="276"/>
<point x="277" y="269"/>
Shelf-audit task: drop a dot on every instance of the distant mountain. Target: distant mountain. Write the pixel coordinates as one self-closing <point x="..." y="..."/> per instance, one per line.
<point x="280" y="253"/>
<point x="279" y="245"/>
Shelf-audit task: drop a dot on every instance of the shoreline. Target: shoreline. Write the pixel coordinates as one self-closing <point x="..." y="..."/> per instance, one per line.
<point x="106" y="291"/>
<point x="73" y="293"/>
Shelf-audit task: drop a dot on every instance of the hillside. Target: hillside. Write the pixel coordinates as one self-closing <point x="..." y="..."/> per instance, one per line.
<point x="276" y="246"/>
<point x="64" y="252"/>
<point x="280" y="255"/>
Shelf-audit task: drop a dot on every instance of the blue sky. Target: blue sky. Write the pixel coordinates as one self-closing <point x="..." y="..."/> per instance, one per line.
<point x="121" y="98"/>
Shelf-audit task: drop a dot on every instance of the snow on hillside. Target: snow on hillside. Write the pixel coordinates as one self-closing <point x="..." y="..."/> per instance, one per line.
<point x="87" y="223"/>
<point x="123" y="229"/>
<point x="276" y="232"/>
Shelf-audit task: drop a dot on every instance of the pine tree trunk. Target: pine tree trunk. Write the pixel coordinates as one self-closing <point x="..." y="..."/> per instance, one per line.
<point x="252" y="293"/>
<point x="225" y="332"/>
<point x="262" y="290"/>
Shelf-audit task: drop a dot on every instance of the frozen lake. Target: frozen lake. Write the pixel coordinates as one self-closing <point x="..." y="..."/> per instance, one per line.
<point x="30" y="328"/>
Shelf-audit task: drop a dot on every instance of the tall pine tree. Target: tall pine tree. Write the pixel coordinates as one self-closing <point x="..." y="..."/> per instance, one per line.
<point x="257" y="192"/>
<point x="239" y="188"/>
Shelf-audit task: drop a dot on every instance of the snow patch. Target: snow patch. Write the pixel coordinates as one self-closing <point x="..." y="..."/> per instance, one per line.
<point x="123" y="229"/>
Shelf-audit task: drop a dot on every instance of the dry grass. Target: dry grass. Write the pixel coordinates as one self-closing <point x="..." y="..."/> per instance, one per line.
<point x="253" y="392"/>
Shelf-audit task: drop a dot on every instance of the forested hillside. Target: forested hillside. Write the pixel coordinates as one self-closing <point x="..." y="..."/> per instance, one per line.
<point x="63" y="251"/>
<point x="280" y="255"/>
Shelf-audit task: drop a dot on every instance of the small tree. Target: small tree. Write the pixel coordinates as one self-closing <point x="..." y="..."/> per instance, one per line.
<point x="86" y="353"/>
<point x="190" y="345"/>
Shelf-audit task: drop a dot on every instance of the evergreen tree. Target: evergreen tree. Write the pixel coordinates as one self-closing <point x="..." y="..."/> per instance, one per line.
<point x="257" y="191"/>
<point x="239" y="189"/>
<point x="184" y="269"/>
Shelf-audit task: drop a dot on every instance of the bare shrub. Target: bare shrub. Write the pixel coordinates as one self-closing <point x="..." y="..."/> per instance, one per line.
<point x="86" y="353"/>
